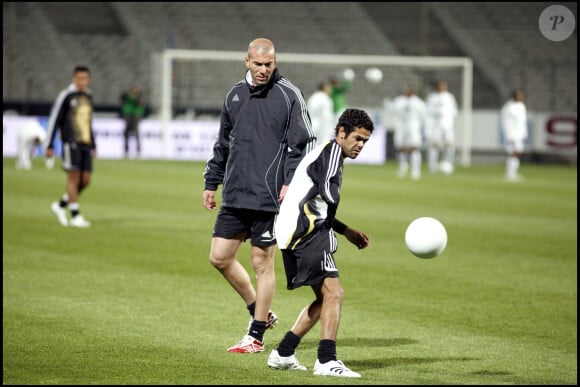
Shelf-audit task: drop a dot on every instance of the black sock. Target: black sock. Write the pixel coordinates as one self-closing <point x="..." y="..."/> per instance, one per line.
<point x="288" y="344"/>
<point x="252" y="308"/>
<point x="257" y="330"/>
<point x="326" y="351"/>
<point x="63" y="203"/>
<point x="74" y="213"/>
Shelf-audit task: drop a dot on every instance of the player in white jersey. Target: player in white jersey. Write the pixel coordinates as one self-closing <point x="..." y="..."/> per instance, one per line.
<point x="320" y="109"/>
<point x="442" y="110"/>
<point x="514" y="126"/>
<point x="409" y="114"/>
<point x="30" y="135"/>
<point x="305" y="232"/>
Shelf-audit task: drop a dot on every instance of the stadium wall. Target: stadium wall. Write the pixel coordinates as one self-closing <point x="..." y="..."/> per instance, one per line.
<point x="552" y="137"/>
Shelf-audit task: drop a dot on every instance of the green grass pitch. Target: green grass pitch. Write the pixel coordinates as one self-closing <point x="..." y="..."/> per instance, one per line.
<point x="134" y="299"/>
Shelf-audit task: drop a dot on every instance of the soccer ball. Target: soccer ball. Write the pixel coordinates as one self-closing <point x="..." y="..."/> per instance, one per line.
<point x="446" y="167"/>
<point x="49" y="162"/>
<point x="374" y="75"/>
<point x="348" y="74"/>
<point x="426" y="237"/>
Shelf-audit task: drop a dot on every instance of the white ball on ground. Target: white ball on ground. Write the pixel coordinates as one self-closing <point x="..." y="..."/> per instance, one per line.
<point x="374" y="75"/>
<point x="49" y="162"/>
<point x="446" y="167"/>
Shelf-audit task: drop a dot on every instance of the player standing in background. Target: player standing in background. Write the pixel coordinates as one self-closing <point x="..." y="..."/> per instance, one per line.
<point x="514" y="125"/>
<point x="72" y="114"/>
<point x="442" y="110"/>
<point x="321" y="112"/>
<point x="305" y="232"/>
<point x="264" y="132"/>
<point x="339" y="90"/>
<point x="30" y="136"/>
<point x="132" y="111"/>
<point x="409" y="113"/>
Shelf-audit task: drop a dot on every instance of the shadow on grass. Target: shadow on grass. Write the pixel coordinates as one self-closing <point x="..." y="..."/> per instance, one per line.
<point x="384" y="362"/>
<point x="490" y="373"/>
<point x="400" y="361"/>
<point x="361" y="342"/>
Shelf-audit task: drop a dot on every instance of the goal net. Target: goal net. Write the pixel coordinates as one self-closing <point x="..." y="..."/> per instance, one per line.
<point x="193" y="83"/>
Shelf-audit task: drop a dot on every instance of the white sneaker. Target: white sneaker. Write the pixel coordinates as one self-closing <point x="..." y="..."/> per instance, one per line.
<point x="514" y="178"/>
<point x="334" y="368"/>
<point x="60" y="213"/>
<point x="284" y="363"/>
<point x="79" y="221"/>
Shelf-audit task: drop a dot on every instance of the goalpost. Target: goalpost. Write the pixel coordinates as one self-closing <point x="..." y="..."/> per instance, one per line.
<point x="201" y="78"/>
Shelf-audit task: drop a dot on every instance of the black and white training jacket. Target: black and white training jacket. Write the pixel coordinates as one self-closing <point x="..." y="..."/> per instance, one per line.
<point x="72" y="114"/>
<point x="312" y="198"/>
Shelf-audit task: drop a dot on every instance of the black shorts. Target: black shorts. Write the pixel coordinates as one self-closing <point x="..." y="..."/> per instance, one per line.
<point x="76" y="157"/>
<point x="258" y="225"/>
<point x="131" y="125"/>
<point x="311" y="261"/>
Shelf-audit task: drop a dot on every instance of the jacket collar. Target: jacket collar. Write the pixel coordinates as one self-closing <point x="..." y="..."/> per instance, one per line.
<point x="73" y="88"/>
<point x="258" y="89"/>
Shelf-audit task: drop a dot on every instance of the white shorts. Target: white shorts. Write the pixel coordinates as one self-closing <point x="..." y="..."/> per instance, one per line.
<point x="407" y="138"/>
<point x="516" y="146"/>
<point x="439" y="134"/>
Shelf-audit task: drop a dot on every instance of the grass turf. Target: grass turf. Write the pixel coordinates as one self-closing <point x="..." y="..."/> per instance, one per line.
<point x="134" y="299"/>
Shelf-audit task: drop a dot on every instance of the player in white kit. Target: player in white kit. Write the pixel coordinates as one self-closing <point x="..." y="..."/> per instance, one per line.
<point x="442" y="110"/>
<point x="514" y="126"/>
<point x="320" y="109"/>
<point x="30" y="135"/>
<point x="409" y="116"/>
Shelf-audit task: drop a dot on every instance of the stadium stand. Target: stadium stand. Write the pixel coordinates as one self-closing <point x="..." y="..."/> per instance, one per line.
<point x="42" y="41"/>
<point x="505" y="40"/>
<point x="416" y="30"/>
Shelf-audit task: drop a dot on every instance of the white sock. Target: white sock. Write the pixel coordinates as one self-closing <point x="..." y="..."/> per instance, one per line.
<point x="451" y="154"/>
<point x="515" y="165"/>
<point x="433" y="159"/>
<point x="512" y="165"/>
<point x="416" y="162"/>
<point x="403" y="164"/>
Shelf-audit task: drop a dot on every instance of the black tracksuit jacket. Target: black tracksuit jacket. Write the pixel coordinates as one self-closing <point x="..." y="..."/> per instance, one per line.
<point x="264" y="133"/>
<point x="72" y="113"/>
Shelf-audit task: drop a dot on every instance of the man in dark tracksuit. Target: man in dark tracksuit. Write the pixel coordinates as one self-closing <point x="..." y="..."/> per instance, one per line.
<point x="72" y="114"/>
<point x="264" y="132"/>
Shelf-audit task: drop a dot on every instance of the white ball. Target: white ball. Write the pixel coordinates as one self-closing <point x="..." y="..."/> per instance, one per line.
<point x="348" y="74"/>
<point x="374" y="75"/>
<point x="49" y="162"/>
<point x="446" y="167"/>
<point x="426" y="237"/>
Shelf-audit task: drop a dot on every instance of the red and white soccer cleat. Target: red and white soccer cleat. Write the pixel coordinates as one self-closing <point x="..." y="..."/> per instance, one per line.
<point x="248" y="344"/>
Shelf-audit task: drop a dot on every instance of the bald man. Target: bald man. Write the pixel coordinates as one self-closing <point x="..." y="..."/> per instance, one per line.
<point x="265" y="131"/>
